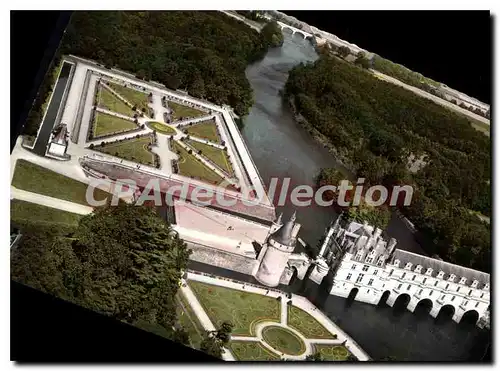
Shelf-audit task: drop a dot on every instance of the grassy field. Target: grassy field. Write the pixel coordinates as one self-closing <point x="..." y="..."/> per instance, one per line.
<point x="216" y="155"/>
<point x="240" y="308"/>
<point x="191" y="166"/>
<point x="332" y="353"/>
<point x="205" y="130"/>
<point x="283" y="340"/>
<point x="189" y="321"/>
<point x="27" y="211"/>
<point x="161" y="128"/>
<point x="37" y="179"/>
<point x="251" y="351"/>
<point x="106" y="124"/>
<point x="107" y="100"/>
<point x="307" y="325"/>
<point x="134" y="149"/>
<point x="133" y="96"/>
<point x="180" y="110"/>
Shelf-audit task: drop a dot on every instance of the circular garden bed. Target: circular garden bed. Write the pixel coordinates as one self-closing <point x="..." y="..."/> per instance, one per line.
<point x="283" y="340"/>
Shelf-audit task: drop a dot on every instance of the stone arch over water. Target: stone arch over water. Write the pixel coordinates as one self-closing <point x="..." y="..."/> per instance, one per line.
<point x="470" y="317"/>
<point x="424" y="305"/>
<point x="352" y="294"/>
<point x="384" y="297"/>
<point x="446" y="312"/>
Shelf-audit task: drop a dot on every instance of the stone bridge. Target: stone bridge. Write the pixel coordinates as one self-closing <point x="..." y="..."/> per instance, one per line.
<point x="294" y="30"/>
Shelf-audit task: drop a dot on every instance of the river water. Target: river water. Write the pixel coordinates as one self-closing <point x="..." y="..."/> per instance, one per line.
<point x="281" y="148"/>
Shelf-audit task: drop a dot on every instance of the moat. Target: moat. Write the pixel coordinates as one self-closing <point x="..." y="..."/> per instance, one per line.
<point x="281" y="148"/>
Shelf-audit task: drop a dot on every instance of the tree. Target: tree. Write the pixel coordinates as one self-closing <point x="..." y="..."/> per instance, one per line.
<point x="344" y="51"/>
<point x="362" y="60"/>
<point x="122" y="261"/>
<point x="315" y="357"/>
<point x="214" y="341"/>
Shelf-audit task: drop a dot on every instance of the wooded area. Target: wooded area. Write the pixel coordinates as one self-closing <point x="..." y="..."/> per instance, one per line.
<point x="378" y="126"/>
<point x="204" y="53"/>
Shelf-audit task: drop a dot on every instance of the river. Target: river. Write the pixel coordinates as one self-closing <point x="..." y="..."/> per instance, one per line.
<point x="281" y="148"/>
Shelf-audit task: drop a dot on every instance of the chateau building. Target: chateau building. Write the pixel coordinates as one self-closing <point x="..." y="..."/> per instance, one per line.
<point x="373" y="270"/>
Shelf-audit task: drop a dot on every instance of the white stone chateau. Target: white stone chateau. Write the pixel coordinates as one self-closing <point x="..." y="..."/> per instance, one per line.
<point x="373" y="270"/>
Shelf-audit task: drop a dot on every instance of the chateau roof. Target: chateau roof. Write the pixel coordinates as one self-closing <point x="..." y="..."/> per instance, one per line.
<point x="440" y="265"/>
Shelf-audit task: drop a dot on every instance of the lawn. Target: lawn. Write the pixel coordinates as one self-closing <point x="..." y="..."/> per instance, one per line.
<point x="161" y="128"/>
<point x="133" y="96"/>
<point x="107" y="124"/>
<point x="304" y="323"/>
<point x="134" y="149"/>
<point x="216" y="155"/>
<point x="27" y="211"/>
<point x="205" y="129"/>
<point x="37" y="179"/>
<point x="107" y="100"/>
<point x="181" y="111"/>
<point x="251" y="351"/>
<point x="332" y="353"/>
<point x="189" y="321"/>
<point x="240" y="308"/>
<point x="283" y="340"/>
<point x="190" y="166"/>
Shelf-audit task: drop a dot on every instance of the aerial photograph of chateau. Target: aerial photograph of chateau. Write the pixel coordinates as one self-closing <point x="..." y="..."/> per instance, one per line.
<point x="256" y="188"/>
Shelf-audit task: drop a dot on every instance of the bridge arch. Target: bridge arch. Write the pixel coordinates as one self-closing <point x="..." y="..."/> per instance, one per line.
<point x="470" y="317"/>
<point x="424" y="305"/>
<point x="446" y="312"/>
<point x="353" y="293"/>
<point x="384" y="297"/>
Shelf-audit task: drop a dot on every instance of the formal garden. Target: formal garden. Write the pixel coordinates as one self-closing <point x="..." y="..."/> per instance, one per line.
<point x="216" y="155"/>
<point x="135" y="97"/>
<point x="259" y="331"/>
<point x="188" y="165"/>
<point x="205" y="129"/>
<point x="136" y="149"/>
<point x="182" y="111"/>
<point x="107" y="100"/>
<point x="106" y="124"/>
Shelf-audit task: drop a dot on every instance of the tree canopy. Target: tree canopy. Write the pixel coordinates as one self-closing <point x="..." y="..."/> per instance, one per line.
<point x="377" y="126"/>
<point x="122" y="261"/>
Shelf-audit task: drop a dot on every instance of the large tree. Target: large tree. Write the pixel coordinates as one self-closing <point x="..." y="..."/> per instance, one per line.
<point x="122" y="261"/>
<point x="214" y="341"/>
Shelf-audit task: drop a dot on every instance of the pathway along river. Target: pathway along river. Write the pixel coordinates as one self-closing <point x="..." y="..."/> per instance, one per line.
<point x="280" y="148"/>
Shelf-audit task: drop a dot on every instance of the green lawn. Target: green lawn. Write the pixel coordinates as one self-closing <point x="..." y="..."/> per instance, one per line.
<point x="190" y="166"/>
<point x="27" y="211"/>
<point x="133" y="96"/>
<point x="106" y="124"/>
<point x="332" y="352"/>
<point x="189" y="321"/>
<point x="283" y="340"/>
<point x="37" y="179"/>
<point x="240" y="308"/>
<point x="180" y="110"/>
<point x="107" y="100"/>
<point x="251" y="351"/>
<point x="307" y="325"/>
<point x="161" y="128"/>
<point x="134" y="149"/>
<point x="216" y="155"/>
<point x="205" y="129"/>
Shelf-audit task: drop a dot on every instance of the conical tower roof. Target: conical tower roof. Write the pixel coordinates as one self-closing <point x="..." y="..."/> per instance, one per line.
<point x="284" y="234"/>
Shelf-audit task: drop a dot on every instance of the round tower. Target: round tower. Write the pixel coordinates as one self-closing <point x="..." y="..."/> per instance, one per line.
<point x="278" y="247"/>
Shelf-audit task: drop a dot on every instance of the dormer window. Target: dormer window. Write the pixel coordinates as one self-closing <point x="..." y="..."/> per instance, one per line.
<point x="396" y="262"/>
<point x="380" y="262"/>
<point x="486" y="287"/>
<point x="440" y="275"/>
<point x="418" y="269"/>
<point x="452" y="278"/>
<point x="408" y="266"/>
<point x="369" y="260"/>
<point x="475" y="283"/>
<point x="429" y="271"/>
<point x="358" y="256"/>
<point x="463" y="280"/>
